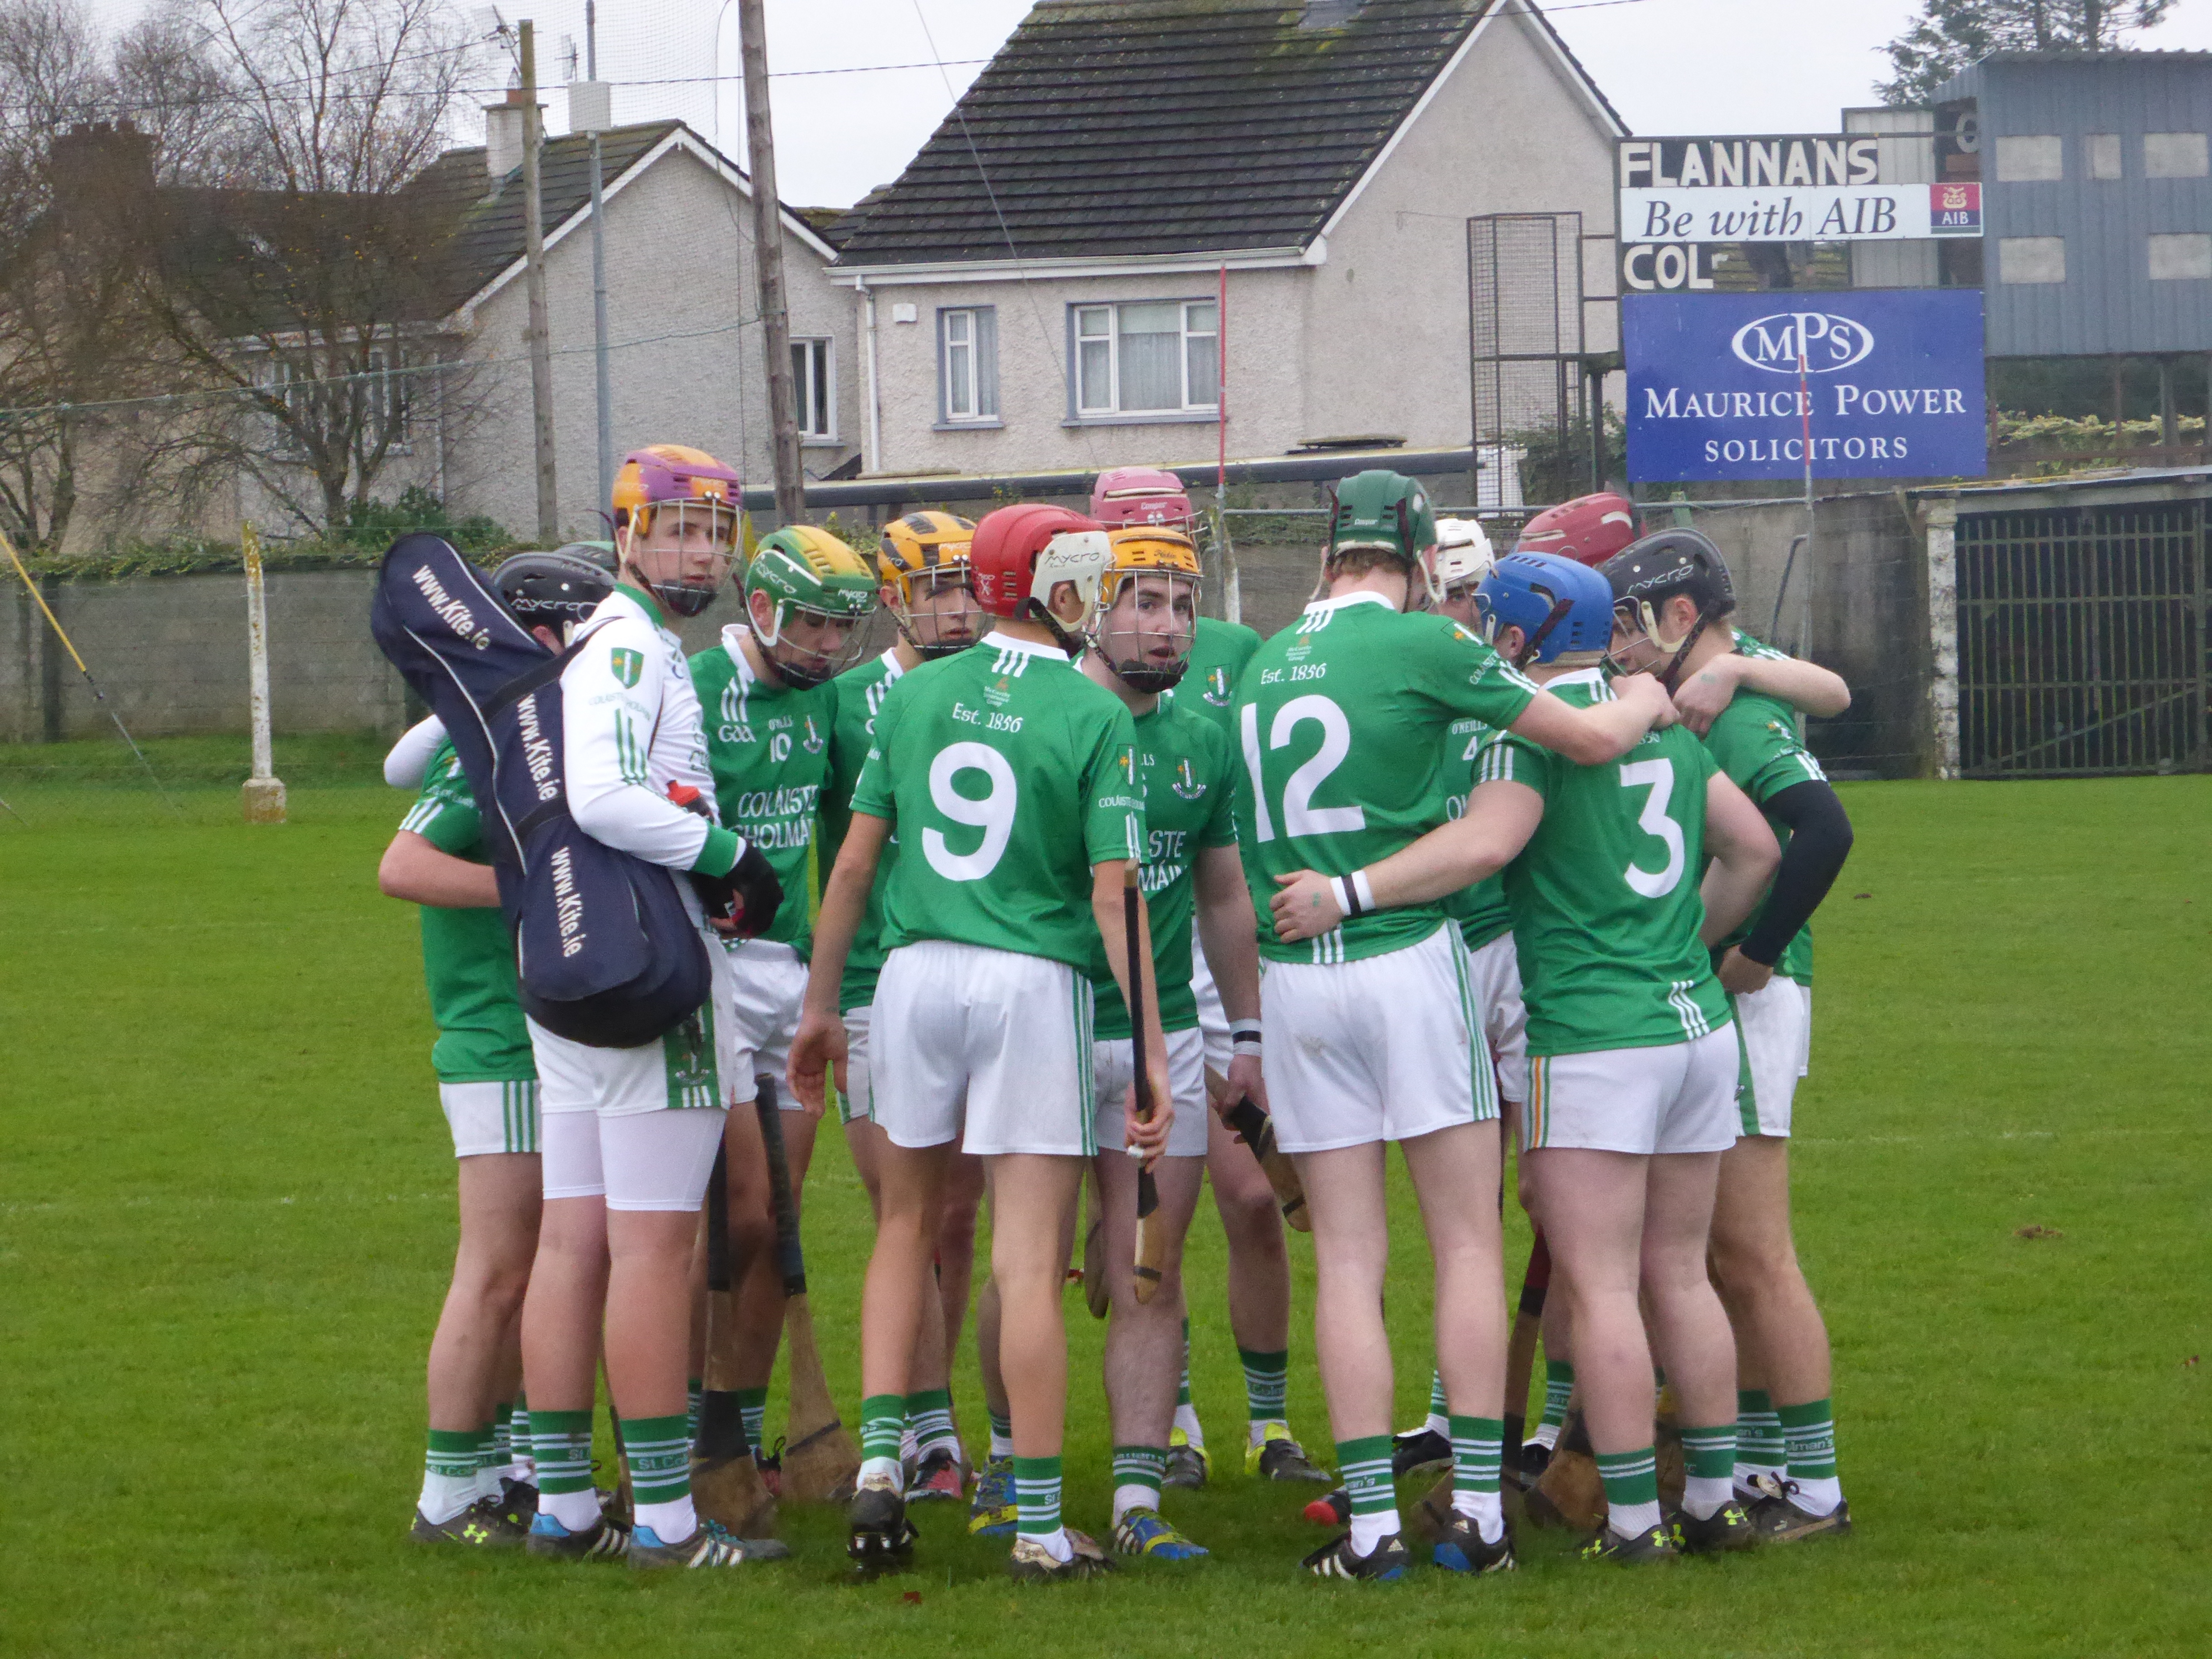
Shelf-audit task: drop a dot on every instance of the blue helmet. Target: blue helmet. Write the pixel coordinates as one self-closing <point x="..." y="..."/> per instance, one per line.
<point x="1558" y="605"/>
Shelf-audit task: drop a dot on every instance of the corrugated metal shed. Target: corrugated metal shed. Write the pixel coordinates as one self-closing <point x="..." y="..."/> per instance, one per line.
<point x="2108" y="304"/>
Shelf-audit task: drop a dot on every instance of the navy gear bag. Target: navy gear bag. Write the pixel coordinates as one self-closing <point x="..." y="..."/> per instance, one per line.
<point x="605" y="951"/>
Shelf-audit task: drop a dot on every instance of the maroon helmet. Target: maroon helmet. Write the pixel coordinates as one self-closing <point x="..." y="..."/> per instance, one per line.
<point x="1141" y="495"/>
<point x="1590" y="529"/>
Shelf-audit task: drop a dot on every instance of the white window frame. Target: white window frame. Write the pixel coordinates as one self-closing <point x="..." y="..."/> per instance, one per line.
<point x="818" y="350"/>
<point x="1083" y="404"/>
<point x="962" y="373"/>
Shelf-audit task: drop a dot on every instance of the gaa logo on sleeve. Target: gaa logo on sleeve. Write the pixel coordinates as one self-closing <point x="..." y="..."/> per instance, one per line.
<point x="627" y="665"/>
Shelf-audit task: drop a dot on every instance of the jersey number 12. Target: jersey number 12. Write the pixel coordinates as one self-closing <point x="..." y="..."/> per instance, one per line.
<point x="1300" y="816"/>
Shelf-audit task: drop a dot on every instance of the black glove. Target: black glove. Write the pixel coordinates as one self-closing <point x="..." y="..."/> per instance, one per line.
<point x="750" y="894"/>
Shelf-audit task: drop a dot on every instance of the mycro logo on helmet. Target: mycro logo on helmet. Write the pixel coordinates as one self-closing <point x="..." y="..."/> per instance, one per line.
<point x="1823" y="341"/>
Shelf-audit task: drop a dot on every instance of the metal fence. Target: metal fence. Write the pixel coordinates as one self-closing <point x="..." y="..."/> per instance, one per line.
<point x="2081" y="646"/>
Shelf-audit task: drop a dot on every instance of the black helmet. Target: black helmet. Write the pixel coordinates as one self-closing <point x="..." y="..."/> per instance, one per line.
<point x="1650" y="572"/>
<point x="552" y="590"/>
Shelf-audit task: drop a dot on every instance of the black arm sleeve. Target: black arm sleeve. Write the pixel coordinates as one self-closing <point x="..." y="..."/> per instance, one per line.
<point x="1819" y="841"/>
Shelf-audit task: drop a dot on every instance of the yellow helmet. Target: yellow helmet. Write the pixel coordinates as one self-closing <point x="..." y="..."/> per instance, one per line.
<point x="1146" y="657"/>
<point x="929" y="551"/>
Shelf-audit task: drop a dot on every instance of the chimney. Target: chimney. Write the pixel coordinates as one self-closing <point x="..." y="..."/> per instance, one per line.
<point x="101" y="168"/>
<point x="503" y="126"/>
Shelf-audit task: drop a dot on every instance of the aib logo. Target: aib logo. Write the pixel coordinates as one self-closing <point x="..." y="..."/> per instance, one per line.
<point x="1822" y="341"/>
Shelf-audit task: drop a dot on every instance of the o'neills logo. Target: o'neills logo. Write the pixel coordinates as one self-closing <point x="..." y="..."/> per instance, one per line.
<point x="455" y="615"/>
<point x="536" y="749"/>
<point x="568" y="904"/>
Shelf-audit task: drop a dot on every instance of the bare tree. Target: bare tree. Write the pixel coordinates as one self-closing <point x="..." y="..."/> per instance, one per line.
<point x="311" y="283"/>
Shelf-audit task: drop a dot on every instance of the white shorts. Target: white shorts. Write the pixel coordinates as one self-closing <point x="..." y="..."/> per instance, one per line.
<point x="1213" y="1017"/>
<point x="988" y="1047"/>
<point x="1495" y="973"/>
<point x="638" y="1161"/>
<point x="1778" y="1041"/>
<point x="1677" y="1098"/>
<point x="770" y="984"/>
<point x="490" y="1117"/>
<point x="676" y="1074"/>
<point x="856" y="1100"/>
<point x="1385" y="1047"/>
<point x="1113" y="1061"/>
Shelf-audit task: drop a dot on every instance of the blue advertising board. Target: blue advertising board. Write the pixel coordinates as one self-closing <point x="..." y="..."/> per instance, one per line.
<point x="1886" y="383"/>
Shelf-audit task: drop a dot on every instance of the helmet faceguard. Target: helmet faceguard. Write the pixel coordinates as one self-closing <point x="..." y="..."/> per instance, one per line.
<point x="1385" y="512"/>
<point x="923" y="560"/>
<point x="672" y="504"/>
<point x="1157" y="572"/>
<point x="818" y="591"/>
<point x="1562" y="608"/>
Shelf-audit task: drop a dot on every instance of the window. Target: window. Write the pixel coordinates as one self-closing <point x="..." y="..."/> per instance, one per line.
<point x="2031" y="258"/>
<point x="2103" y="151"/>
<point x="2186" y="257"/>
<point x="1145" y="358"/>
<point x="967" y="366"/>
<point x="385" y="391"/>
<point x="814" y="393"/>
<point x="2175" y="156"/>
<point x="2030" y="159"/>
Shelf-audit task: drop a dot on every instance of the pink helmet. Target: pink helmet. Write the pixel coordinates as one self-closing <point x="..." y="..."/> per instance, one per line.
<point x="1141" y="495"/>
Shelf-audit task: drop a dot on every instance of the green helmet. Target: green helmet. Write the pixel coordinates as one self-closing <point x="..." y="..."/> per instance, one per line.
<point x="1381" y="509"/>
<point x="806" y="572"/>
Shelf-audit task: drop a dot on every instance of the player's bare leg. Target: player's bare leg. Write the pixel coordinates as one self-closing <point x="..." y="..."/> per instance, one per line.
<point x="895" y="1300"/>
<point x="1689" y="1334"/>
<point x="992" y="1513"/>
<point x="1782" y="1359"/>
<point x="757" y="1295"/>
<point x="1258" y="1300"/>
<point x="933" y="1447"/>
<point x="561" y="1327"/>
<point x="1144" y="1346"/>
<point x="1033" y="1200"/>
<point x="474" y="1363"/>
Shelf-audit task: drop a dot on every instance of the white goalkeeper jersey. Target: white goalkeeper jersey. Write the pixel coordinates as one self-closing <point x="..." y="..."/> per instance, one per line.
<point x="630" y="727"/>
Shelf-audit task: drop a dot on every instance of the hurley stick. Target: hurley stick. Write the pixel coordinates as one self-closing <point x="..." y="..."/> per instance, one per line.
<point x="820" y="1459"/>
<point x="1520" y="1347"/>
<point x="1257" y="1130"/>
<point x="1152" y="1248"/>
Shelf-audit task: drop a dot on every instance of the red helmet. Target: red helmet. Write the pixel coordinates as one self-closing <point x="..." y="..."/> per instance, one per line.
<point x="1590" y="529"/>
<point x="1140" y="495"/>
<point x="1020" y="553"/>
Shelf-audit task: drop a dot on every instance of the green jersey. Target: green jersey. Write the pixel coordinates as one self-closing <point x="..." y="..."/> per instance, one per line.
<point x="1186" y="776"/>
<point x="1340" y="725"/>
<point x="769" y="747"/>
<point x="1218" y="656"/>
<point x="1010" y="775"/>
<point x="1605" y="903"/>
<point x="1755" y="742"/>
<point x="856" y="695"/>
<point x="468" y="956"/>
<point x="1481" y="910"/>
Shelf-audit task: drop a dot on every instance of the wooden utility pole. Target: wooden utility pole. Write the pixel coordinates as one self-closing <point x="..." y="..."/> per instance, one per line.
<point x="533" y="253"/>
<point x="767" y="263"/>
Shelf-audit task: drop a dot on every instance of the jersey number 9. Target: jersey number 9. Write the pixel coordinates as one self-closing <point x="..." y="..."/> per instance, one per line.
<point x="992" y="813"/>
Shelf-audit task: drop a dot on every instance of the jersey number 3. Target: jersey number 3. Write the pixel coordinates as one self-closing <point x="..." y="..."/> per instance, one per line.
<point x="1300" y="816"/>
<point x="992" y="814"/>
<point x="1657" y="778"/>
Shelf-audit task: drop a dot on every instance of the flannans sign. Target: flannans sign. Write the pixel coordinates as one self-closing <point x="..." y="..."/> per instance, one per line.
<point x="1791" y="189"/>
<point x="1883" y="383"/>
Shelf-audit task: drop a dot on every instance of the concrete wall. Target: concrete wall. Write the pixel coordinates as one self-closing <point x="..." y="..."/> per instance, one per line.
<point x="685" y="359"/>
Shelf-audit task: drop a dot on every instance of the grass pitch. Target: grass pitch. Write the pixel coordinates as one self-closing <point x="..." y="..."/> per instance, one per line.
<point x="226" y="1216"/>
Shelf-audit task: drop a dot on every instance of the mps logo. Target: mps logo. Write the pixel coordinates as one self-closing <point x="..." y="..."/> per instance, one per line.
<point x="1217" y="687"/>
<point x="627" y="665"/>
<point x="1822" y="341"/>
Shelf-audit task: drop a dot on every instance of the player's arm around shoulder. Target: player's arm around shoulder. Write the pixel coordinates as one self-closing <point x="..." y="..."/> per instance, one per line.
<point x="1704" y="697"/>
<point x="425" y="862"/>
<point x="1604" y="730"/>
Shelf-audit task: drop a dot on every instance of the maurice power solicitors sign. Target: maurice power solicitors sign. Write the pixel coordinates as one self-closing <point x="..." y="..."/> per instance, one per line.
<point x="1881" y="383"/>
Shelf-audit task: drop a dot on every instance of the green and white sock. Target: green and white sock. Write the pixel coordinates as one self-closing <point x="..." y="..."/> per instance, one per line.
<point x="1708" y="1470"/>
<point x="1037" y="1504"/>
<point x="519" y="1466"/>
<point x="1810" y="1429"/>
<point x="1186" y="1414"/>
<point x="498" y="1452"/>
<point x="753" y="1406"/>
<point x="1002" y="1433"/>
<point x="1138" y="1473"/>
<point x="930" y="1415"/>
<point x="1759" y="1448"/>
<point x="561" y="1445"/>
<point x="1266" y="1392"/>
<point x="694" y="1391"/>
<point x="1363" y="1465"/>
<point x="1439" y="1418"/>
<point x="882" y="1420"/>
<point x="450" y="1463"/>
<point x="658" y="1452"/>
<point x="1478" y="1456"/>
<point x="1632" y="1489"/>
<point x="1559" y="1389"/>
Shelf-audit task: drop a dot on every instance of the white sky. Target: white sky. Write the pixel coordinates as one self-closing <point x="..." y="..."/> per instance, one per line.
<point x="1667" y="65"/>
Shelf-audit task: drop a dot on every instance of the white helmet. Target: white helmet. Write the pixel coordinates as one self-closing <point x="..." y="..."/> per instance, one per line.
<point x="1462" y="554"/>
